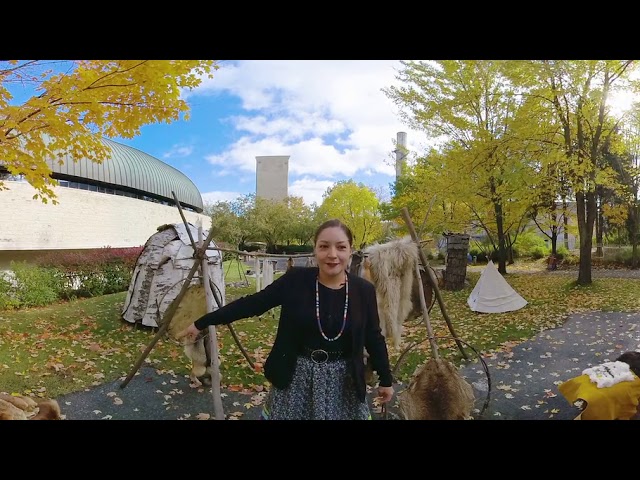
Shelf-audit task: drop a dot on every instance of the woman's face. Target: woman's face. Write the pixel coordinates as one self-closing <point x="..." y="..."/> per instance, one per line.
<point x="332" y="251"/>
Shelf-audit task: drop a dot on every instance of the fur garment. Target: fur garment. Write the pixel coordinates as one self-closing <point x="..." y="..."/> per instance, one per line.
<point x="391" y="267"/>
<point x="18" y="407"/>
<point x="437" y="392"/>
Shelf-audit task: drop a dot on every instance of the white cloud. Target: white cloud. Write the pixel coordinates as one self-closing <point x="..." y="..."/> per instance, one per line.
<point x="178" y="151"/>
<point x="330" y="117"/>
<point x="213" y="197"/>
<point x="309" y="189"/>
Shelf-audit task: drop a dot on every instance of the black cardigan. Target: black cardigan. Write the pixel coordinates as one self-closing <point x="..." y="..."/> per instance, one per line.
<point x="295" y="292"/>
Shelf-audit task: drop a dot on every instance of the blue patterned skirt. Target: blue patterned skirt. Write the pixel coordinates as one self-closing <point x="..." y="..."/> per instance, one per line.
<point x="317" y="392"/>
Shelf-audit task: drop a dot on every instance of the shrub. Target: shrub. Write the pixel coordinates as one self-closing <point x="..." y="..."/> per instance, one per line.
<point x="539" y="252"/>
<point x="618" y="256"/>
<point x="530" y="244"/>
<point x="8" y="298"/>
<point x="567" y="257"/>
<point x="35" y="286"/>
<point x="93" y="272"/>
<point x="479" y="255"/>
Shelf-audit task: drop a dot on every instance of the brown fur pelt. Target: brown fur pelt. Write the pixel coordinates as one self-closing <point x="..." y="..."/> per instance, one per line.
<point x="199" y="354"/>
<point x="192" y="306"/>
<point x="370" y="376"/>
<point x="391" y="267"/>
<point x="18" y="407"/>
<point x="437" y="392"/>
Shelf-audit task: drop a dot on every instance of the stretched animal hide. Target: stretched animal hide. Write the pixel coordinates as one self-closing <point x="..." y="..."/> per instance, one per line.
<point x="26" y="408"/>
<point x="192" y="306"/>
<point x="437" y="392"/>
<point x="391" y="267"/>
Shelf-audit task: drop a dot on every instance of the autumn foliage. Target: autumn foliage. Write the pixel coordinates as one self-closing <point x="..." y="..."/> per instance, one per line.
<point x="73" y="103"/>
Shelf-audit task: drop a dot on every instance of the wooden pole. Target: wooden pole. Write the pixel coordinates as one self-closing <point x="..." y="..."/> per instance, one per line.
<point x="184" y="219"/>
<point x="219" y="303"/>
<point x="218" y="410"/>
<point x="425" y="314"/>
<point x="432" y="279"/>
<point x="171" y="311"/>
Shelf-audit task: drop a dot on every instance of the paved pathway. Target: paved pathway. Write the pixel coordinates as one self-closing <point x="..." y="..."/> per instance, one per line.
<point x="523" y="380"/>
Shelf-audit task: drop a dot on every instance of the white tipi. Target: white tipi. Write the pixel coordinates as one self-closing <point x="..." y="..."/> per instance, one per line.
<point x="492" y="293"/>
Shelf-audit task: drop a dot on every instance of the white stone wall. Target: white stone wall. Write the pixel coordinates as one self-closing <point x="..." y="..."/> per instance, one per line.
<point x="82" y="219"/>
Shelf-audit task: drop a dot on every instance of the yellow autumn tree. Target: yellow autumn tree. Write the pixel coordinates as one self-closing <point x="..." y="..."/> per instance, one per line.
<point x="358" y="206"/>
<point x="72" y="104"/>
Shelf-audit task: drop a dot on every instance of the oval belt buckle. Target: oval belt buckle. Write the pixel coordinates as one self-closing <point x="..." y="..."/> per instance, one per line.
<point x="319" y="356"/>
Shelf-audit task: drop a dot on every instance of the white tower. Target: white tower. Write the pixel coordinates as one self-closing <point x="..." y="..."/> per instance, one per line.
<point x="272" y="177"/>
<point x="401" y="153"/>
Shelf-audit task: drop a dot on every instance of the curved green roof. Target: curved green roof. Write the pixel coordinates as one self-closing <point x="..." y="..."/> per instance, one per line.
<point x="131" y="168"/>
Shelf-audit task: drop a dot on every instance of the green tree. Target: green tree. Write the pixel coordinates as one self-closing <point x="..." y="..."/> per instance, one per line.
<point x="358" y="207"/>
<point x="269" y="221"/>
<point x="227" y="223"/>
<point x="576" y="93"/>
<point x="302" y="225"/>
<point x="476" y="112"/>
<point x="77" y="102"/>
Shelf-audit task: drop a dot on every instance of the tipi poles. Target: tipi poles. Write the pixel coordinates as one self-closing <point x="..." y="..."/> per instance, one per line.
<point x="170" y="312"/>
<point x="218" y="410"/>
<point x="184" y="219"/>
<point x="425" y="314"/>
<point x="432" y="280"/>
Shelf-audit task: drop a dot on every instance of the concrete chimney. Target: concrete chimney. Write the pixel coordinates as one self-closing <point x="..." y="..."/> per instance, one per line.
<point x="401" y="153"/>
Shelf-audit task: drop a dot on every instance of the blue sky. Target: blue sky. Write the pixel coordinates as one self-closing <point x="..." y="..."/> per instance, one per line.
<point x="329" y="116"/>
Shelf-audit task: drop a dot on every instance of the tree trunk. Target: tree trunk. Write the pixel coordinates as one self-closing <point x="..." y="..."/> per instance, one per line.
<point x="502" y="247"/>
<point x="456" y="269"/>
<point x="554" y="228"/>
<point x="586" y="205"/>
<point x="509" y="250"/>
<point x="633" y="234"/>
<point x="565" y="230"/>
<point x="599" y="222"/>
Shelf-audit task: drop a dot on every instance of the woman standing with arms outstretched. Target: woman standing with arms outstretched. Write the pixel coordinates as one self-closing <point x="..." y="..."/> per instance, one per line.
<point x="328" y="317"/>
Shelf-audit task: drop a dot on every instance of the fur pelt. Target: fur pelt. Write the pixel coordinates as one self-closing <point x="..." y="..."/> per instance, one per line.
<point x="192" y="306"/>
<point x="437" y="392"/>
<point x="391" y="267"/>
<point x="18" y="407"/>
<point x="199" y="354"/>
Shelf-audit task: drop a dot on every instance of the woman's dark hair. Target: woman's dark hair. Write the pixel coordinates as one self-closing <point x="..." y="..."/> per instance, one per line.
<point x="333" y="223"/>
<point x="632" y="359"/>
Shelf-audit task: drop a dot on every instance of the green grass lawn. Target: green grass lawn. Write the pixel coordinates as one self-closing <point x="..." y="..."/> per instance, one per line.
<point x="71" y="346"/>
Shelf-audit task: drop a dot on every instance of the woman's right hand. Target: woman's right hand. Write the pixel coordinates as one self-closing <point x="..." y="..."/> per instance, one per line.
<point x="190" y="333"/>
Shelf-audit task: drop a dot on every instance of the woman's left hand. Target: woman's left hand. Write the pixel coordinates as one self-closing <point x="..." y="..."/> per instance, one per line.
<point x="385" y="394"/>
<point x="190" y="333"/>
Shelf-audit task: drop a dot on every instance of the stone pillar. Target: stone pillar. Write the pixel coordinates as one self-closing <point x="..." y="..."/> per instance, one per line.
<point x="456" y="268"/>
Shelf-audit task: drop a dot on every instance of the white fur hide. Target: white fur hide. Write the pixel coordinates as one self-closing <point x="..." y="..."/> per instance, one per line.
<point x="393" y="273"/>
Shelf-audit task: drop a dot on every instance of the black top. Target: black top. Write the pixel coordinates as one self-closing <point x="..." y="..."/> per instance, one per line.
<point x="297" y="326"/>
<point x="331" y="316"/>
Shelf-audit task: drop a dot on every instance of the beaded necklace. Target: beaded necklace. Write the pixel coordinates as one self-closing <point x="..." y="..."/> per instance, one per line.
<point x="344" y="317"/>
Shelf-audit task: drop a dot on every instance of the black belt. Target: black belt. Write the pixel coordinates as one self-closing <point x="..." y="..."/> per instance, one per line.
<point x="318" y="355"/>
